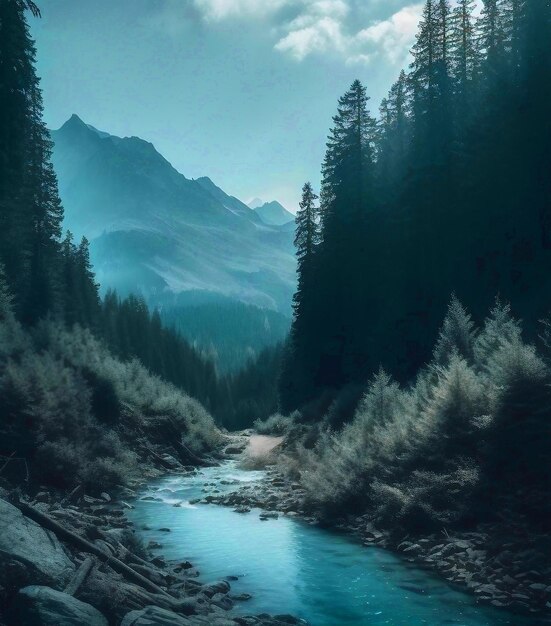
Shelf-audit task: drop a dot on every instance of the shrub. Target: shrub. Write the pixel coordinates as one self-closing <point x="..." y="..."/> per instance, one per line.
<point x="475" y="420"/>
<point x="457" y="335"/>
<point x="276" y="424"/>
<point x="63" y="398"/>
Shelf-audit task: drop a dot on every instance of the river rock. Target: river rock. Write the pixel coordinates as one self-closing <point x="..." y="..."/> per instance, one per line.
<point x="219" y="587"/>
<point x="242" y="597"/>
<point x="38" y="550"/>
<point x="154" y="616"/>
<point x="48" y="607"/>
<point x="234" y="450"/>
<point x="266" y="515"/>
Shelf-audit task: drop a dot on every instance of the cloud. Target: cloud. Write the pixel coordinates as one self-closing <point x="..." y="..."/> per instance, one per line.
<point x="318" y="28"/>
<point x="393" y="37"/>
<point x="216" y="10"/>
<point x="325" y="27"/>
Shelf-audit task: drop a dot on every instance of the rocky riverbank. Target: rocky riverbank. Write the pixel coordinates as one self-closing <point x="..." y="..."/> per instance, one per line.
<point x="501" y="564"/>
<point x="74" y="559"/>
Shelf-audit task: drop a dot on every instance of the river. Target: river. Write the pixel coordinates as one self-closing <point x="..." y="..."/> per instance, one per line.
<point x="291" y="567"/>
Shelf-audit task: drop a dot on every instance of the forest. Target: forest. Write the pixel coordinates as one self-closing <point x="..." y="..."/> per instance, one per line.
<point x="447" y="191"/>
<point x="413" y="389"/>
<point x="441" y="201"/>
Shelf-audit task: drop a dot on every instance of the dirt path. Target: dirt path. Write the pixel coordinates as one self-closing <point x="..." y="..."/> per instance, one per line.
<point x="261" y="445"/>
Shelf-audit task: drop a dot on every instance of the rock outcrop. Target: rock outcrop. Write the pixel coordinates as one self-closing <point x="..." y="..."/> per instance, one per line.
<point x="35" y="553"/>
<point x="48" y="607"/>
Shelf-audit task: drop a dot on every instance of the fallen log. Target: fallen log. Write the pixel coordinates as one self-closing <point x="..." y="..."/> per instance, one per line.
<point x="127" y="555"/>
<point x="73" y="495"/>
<point x="64" y="534"/>
<point x="81" y="575"/>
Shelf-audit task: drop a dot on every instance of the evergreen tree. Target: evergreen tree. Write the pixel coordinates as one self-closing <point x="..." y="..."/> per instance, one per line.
<point x="492" y="39"/>
<point x="394" y="139"/>
<point x="465" y="57"/>
<point x="348" y="203"/>
<point x="30" y="209"/>
<point x="431" y="74"/>
<point x="297" y="379"/>
<point x="89" y="288"/>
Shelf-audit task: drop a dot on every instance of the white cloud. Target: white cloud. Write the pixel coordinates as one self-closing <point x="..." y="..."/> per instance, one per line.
<point x="395" y="36"/>
<point x="318" y="28"/>
<point x="216" y="10"/>
<point x="325" y="26"/>
<point x="322" y="35"/>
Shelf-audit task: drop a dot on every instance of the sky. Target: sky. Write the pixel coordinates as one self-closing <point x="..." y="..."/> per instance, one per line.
<point x="242" y="91"/>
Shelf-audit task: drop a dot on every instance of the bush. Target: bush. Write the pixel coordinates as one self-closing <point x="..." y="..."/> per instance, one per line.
<point x="276" y="424"/>
<point x="475" y="420"/>
<point x="74" y="412"/>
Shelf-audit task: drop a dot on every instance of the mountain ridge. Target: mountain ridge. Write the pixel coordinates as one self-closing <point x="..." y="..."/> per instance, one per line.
<point x="154" y="231"/>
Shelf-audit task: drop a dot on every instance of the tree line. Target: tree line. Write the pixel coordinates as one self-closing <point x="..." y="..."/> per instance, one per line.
<point x="449" y="189"/>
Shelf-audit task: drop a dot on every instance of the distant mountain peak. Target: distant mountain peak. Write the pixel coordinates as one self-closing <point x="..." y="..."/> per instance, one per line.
<point x="74" y="122"/>
<point x="77" y="124"/>
<point x="274" y="213"/>
<point x="255" y="203"/>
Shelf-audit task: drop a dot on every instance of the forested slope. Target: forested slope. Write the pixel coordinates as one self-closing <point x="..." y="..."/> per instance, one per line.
<point x="448" y="190"/>
<point x="70" y="411"/>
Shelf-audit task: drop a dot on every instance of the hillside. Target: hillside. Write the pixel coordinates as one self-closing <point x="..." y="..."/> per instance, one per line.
<point x="230" y="333"/>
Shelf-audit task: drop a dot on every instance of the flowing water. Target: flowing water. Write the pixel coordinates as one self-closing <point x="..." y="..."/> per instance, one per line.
<point x="292" y="567"/>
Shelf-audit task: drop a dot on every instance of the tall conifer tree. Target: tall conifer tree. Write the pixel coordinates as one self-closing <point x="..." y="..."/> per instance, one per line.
<point x="297" y="379"/>
<point x="30" y="210"/>
<point x="348" y="203"/>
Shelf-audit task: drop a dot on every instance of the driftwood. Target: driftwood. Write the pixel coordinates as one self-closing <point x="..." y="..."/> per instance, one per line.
<point x="81" y="575"/>
<point x="73" y="495"/>
<point x="64" y="534"/>
<point x="126" y="554"/>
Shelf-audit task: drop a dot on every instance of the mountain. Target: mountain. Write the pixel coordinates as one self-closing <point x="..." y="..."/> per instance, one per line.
<point x="154" y="231"/>
<point x="255" y="203"/>
<point x="274" y="214"/>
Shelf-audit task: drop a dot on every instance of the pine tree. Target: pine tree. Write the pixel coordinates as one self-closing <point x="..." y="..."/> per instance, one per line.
<point x="394" y="136"/>
<point x="307" y="238"/>
<point x="17" y="82"/>
<point x="90" y="312"/>
<point x="513" y="14"/>
<point x="432" y="78"/>
<point x="348" y="203"/>
<point x="30" y="209"/>
<point x="492" y="40"/>
<point x="457" y="336"/>
<point x="465" y="57"/>
<point x="297" y="377"/>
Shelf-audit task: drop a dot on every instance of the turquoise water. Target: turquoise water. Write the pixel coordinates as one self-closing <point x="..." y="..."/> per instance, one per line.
<point x="292" y="567"/>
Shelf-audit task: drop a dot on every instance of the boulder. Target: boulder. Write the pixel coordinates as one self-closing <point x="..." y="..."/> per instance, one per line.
<point x="219" y="587"/>
<point x="38" y="550"/>
<point x="222" y="601"/>
<point x="48" y="607"/>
